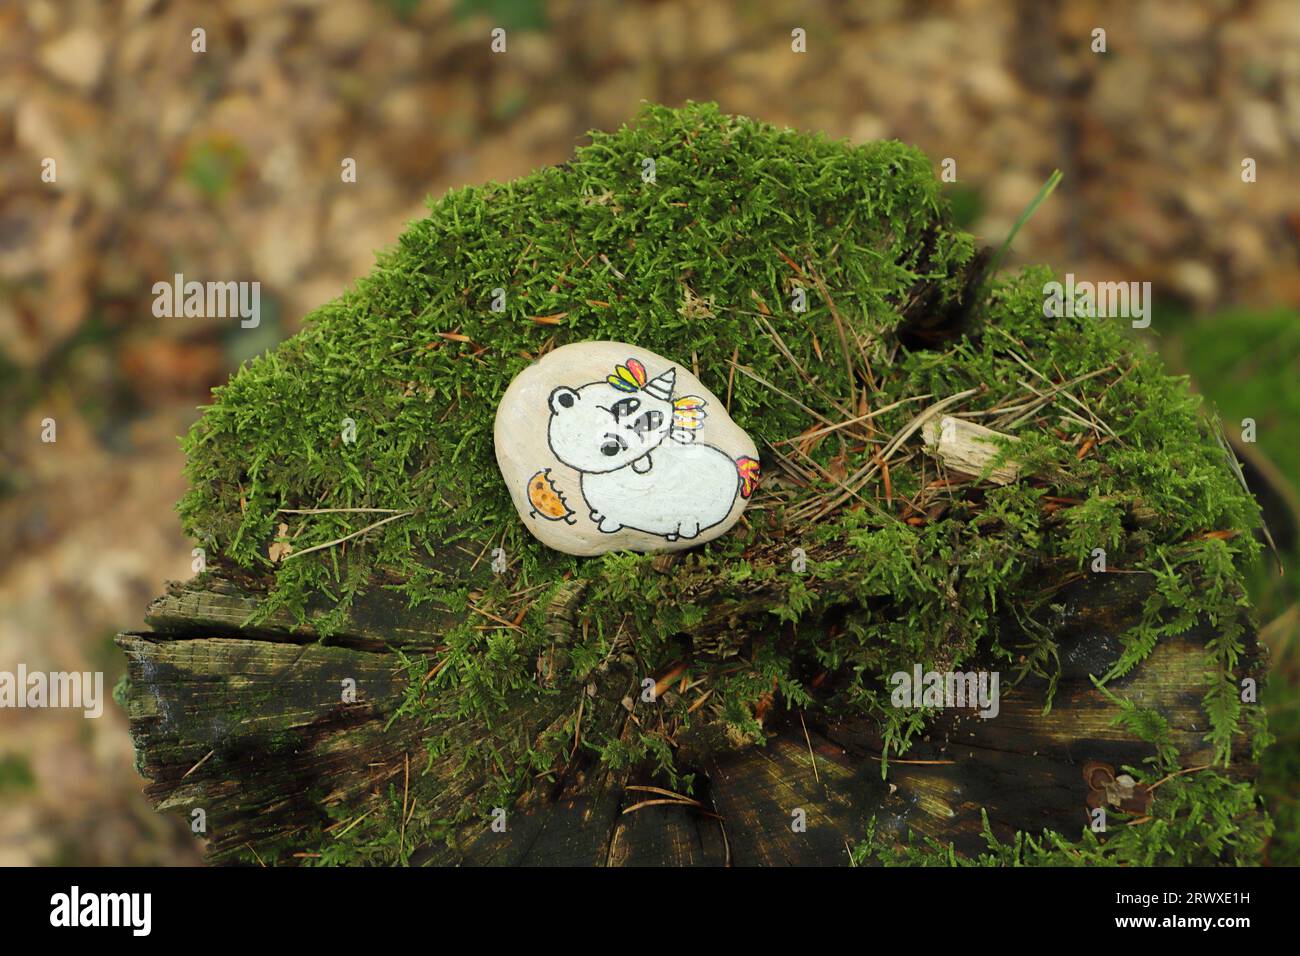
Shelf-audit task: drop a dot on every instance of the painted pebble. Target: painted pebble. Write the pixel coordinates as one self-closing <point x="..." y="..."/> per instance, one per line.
<point x="606" y="446"/>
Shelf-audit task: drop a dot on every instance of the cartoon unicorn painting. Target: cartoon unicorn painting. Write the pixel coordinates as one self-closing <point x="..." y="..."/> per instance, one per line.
<point x="637" y="451"/>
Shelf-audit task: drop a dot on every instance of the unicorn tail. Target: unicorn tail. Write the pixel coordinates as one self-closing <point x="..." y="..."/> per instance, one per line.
<point x="748" y="471"/>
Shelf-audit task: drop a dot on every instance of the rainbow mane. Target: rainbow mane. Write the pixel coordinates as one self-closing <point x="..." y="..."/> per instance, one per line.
<point x="629" y="377"/>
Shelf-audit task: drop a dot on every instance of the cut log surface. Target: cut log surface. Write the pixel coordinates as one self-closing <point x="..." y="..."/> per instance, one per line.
<point x="255" y="726"/>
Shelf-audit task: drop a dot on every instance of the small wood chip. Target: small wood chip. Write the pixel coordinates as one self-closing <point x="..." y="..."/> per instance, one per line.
<point x="966" y="447"/>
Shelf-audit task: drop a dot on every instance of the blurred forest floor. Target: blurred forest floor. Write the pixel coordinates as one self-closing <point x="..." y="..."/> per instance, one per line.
<point x="225" y="165"/>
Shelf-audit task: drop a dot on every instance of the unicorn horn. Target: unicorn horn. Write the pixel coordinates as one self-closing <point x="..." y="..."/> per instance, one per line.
<point x="661" y="386"/>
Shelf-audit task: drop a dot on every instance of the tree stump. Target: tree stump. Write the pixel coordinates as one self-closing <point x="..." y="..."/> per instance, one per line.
<point x="248" y="725"/>
<point x="381" y="666"/>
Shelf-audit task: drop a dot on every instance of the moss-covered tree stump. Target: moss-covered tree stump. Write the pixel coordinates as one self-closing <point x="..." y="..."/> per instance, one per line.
<point x="381" y="665"/>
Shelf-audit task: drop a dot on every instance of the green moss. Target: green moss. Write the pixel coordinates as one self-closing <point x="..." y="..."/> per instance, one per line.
<point x="739" y="213"/>
<point x="1204" y="819"/>
<point x="1248" y="364"/>
<point x="1199" y="817"/>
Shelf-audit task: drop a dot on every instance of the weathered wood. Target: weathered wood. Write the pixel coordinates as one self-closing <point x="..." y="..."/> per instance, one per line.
<point x="251" y="726"/>
<point x="968" y="447"/>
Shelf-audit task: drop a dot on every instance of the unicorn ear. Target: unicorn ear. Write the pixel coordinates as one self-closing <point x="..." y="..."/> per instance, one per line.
<point x="661" y="386"/>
